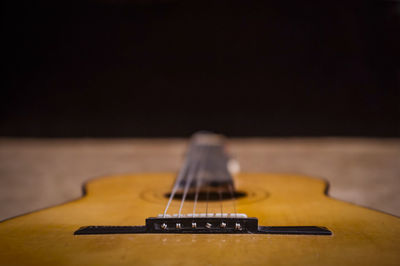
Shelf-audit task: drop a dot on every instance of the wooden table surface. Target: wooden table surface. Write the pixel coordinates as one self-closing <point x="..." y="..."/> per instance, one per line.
<point x="37" y="173"/>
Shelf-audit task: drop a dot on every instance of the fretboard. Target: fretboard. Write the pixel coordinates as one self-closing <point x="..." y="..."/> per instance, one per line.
<point x="206" y="164"/>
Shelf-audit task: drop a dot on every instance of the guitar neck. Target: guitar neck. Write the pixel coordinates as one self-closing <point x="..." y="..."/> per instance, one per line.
<point x="206" y="163"/>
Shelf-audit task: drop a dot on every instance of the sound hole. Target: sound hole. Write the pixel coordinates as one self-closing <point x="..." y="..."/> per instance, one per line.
<point x="212" y="196"/>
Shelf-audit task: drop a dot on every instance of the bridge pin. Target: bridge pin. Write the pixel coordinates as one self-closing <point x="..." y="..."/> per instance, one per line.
<point x="238" y="226"/>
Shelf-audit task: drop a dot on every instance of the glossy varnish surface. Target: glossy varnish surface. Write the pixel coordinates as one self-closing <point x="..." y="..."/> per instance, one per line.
<point x="360" y="236"/>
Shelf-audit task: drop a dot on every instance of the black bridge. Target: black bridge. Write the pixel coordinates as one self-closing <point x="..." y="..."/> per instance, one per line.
<point x="203" y="225"/>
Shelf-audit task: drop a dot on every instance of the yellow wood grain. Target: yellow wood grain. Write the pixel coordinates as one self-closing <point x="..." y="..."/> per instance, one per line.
<point x="360" y="236"/>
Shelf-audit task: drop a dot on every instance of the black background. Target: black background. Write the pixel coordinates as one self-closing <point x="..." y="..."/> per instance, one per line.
<point x="168" y="68"/>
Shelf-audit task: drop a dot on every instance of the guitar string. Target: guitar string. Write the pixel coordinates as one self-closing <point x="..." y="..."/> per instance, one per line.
<point x="230" y="187"/>
<point x="231" y="190"/>
<point x="220" y="200"/>
<point x="199" y="180"/>
<point x="207" y="196"/>
<point x="181" y="174"/>
<point x="224" y="165"/>
<point x="199" y="157"/>
<point x="193" y="170"/>
<point x="207" y="165"/>
<point x="191" y="174"/>
<point x="212" y="168"/>
<point x="196" y="197"/>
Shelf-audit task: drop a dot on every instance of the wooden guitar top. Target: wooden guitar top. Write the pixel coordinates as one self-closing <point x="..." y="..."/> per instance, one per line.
<point x="360" y="236"/>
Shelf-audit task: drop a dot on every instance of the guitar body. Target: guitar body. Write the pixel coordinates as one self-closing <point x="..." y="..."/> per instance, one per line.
<point x="360" y="236"/>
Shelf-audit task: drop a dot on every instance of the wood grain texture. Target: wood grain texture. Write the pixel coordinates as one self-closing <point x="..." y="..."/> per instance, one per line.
<point x="360" y="236"/>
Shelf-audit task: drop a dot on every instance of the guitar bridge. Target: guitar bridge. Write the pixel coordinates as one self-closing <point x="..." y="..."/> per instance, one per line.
<point x="203" y="224"/>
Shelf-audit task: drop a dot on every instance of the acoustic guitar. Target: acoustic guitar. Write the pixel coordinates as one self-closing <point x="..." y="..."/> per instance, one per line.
<point x="206" y="215"/>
